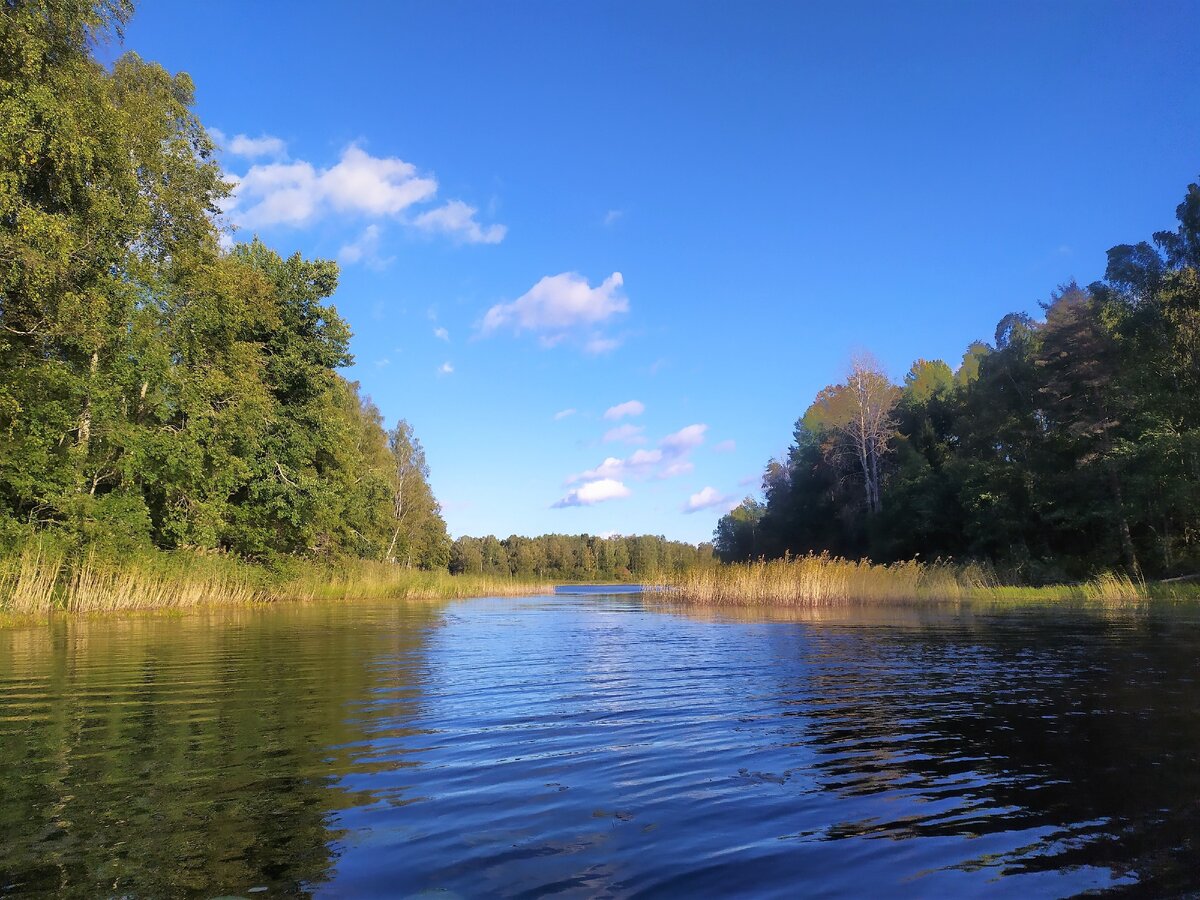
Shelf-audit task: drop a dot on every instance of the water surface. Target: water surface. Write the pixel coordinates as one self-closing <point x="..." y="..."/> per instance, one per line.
<point x="601" y="745"/>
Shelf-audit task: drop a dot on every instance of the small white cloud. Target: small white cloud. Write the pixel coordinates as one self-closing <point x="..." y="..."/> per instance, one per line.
<point x="457" y="219"/>
<point x="684" y="440"/>
<point x="708" y="498"/>
<point x="612" y="467"/>
<point x="252" y="148"/>
<point x="610" y="217"/>
<point x="377" y="185"/>
<point x="725" y="446"/>
<point x="628" y="408"/>
<point x="446" y="368"/>
<point x="637" y="465"/>
<point x="364" y="248"/>
<point x="677" y="468"/>
<point x="748" y="480"/>
<point x="564" y="413"/>
<point x="558" y="305"/>
<point x="441" y="333"/>
<point x="599" y="345"/>
<point x="626" y="434"/>
<point x="382" y="363"/>
<point x="594" y="492"/>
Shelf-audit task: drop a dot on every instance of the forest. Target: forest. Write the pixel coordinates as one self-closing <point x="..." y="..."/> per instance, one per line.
<point x="578" y="557"/>
<point x="157" y="389"/>
<point x="1066" y="446"/>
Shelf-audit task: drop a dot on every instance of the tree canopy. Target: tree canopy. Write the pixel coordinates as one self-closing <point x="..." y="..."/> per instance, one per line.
<point x="1069" y="445"/>
<point x="156" y="389"/>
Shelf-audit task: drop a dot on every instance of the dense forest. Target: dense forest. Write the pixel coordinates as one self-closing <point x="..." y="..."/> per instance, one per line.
<point x="578" y="557"/>
<point x="157" y="390"/>
<point x="1068" y="445"/>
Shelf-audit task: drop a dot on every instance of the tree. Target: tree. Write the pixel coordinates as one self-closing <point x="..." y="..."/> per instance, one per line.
<point x="870" y="424"/>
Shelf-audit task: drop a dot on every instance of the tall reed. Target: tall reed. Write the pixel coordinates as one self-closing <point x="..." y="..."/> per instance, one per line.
<point x="40" y="577"/>
<point x="824" y="580"/>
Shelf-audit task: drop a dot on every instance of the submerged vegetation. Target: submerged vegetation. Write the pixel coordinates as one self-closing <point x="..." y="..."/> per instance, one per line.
<point x="1066" y="448"/>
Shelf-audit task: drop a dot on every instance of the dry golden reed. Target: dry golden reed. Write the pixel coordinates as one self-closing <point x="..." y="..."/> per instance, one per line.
<point x="40" y="578"/>
<point x="824" y="580"/>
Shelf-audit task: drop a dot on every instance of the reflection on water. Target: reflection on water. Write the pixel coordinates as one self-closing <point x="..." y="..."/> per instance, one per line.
<point x="597" y="745"/>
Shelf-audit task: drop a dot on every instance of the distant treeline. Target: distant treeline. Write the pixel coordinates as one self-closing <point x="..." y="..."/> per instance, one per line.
<point x="156" y="390"/>
<point x="1068" y="445"/>
<point x="578" y="557"/>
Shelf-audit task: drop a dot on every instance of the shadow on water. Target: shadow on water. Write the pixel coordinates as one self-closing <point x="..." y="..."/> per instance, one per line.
<point x="196" y="756"/>
<point x="602" y="744"/>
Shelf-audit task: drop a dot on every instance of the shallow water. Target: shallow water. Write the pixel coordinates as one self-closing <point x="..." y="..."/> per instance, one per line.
<point x="601" y="746"/>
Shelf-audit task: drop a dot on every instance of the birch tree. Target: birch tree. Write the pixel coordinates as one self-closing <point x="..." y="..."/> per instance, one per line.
<point x="869" y="423"/>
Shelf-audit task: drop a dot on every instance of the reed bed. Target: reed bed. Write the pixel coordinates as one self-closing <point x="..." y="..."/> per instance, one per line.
<point x="824" y="580"/>
<point x="369" y="580"/>
<point x="40" y="578"/>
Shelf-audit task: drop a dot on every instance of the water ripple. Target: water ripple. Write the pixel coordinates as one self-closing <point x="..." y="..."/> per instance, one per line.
<point x="595" y="746"/>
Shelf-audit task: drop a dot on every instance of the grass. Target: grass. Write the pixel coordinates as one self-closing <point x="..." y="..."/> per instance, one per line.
<point x="41" y="578"/>
<point x="816" y="581"/>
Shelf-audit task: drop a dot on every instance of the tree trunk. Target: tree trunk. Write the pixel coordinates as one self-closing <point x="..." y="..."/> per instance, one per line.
<point x="83" y="432"/>
<point x="1127" y="550"/>
<point x="85" y="415"/>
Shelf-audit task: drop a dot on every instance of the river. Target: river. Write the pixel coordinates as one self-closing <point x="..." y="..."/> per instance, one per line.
<point x="601" y="745"/>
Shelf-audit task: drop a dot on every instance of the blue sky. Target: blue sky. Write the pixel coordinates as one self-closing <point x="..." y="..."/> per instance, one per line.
<point x="602" y="255"/>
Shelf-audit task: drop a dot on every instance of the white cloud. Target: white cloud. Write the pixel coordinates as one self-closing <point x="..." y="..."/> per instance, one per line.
<point x="638" y="465"/>
<point x="612" y="215"/>
<point x="264" y="145"/>
<point x="708" y="498"/>
<point x="594" y="492"/>
<point x="441" y="333"/>
<point x="366" y="247"/>
<point x="297" y="193"/>
<point x="379" y="185"/>
<point x="628" y="408"/>
<point x="612" y="467"/>
<point x="446" y="368"/>
<point x="457" y="219"/>
<point x="725" y="446"/>
<point x="564" y="413"/>
<point x="684" y="440"/>
<point x="598" y="345"/>
<point x="558" y="305"/>
<point x="668" y="460"/>
<point x="276" y="193"/>
<point x="626" y="434"/>
<point x="677" y="468"/>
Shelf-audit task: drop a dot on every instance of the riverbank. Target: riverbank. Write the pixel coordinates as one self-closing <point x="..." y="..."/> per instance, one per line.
<point x="827" y="581"/>
<point x="40" y="579"/>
